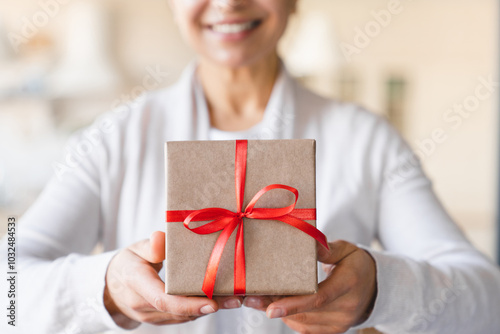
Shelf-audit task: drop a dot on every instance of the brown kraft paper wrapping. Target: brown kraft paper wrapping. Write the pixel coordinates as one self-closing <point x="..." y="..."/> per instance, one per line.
<point x="280" y="259"/>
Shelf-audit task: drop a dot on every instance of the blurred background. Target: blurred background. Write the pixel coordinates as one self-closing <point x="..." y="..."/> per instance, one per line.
<point x="430" y="66"/>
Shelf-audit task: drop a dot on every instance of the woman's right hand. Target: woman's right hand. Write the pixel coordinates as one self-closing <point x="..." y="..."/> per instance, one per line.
<point x="135" y="293"/>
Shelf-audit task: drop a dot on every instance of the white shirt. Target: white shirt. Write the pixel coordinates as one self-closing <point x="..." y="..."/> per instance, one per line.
<point x="109" y="188"/>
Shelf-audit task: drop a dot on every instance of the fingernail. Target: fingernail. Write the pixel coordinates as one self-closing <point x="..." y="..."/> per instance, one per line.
<point x="207" y="309"/>
<point x="232" y="303"/>
<point x="252" y="302"/>
<point x="274" y="313"/>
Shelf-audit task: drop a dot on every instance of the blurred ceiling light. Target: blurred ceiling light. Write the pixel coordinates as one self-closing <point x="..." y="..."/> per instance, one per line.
<point x="314" y="50"/>
<point x="85" y="66"/>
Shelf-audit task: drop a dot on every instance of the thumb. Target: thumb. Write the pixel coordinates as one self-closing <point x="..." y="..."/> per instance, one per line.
<point x="338" y="251"/>
<point x="152" y="249"/>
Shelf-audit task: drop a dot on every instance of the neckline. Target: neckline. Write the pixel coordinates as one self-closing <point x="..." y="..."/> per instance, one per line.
<point x="262" y="130"/>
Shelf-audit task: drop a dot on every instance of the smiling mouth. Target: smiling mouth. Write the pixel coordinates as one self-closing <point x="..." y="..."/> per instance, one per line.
<point x="235" y="28"/>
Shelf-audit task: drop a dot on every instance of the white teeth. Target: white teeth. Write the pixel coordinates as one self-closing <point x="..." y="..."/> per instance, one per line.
<point x="232" y="28"/>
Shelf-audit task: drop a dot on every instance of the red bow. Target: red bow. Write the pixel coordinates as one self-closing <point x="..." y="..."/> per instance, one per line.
<point x="227" y="221"/>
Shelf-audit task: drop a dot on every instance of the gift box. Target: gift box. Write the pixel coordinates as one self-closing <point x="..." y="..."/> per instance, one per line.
<point x="241" y="218"/>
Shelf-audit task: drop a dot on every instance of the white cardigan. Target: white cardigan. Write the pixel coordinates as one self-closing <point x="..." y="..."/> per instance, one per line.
<point x="109" y="188"/>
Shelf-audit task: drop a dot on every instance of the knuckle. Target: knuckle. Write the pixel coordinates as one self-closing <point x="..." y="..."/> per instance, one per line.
<point x="182" y="310"/>
<point x="137" y="307"/>
<point x="114" y="285"/>
<point x="136" y="304"/>
<point x="340" y="244"/>
<point x="299" y="317"/>
<point x="320" y="300"/>
<point x="292" y="311"/>
<point x="160" y="304"/>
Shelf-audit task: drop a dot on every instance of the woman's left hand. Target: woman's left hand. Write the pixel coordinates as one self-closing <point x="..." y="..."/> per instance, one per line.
<point x="344" y="299"/>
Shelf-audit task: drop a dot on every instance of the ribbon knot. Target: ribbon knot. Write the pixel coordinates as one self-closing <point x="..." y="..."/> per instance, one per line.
<point x="227" y="221"/>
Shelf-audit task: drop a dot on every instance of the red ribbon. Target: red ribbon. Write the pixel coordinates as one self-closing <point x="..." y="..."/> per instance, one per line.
<point x="227" y="221"/>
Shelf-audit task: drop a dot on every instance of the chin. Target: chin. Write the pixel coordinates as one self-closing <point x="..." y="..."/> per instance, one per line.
<point x="234" y="59"/>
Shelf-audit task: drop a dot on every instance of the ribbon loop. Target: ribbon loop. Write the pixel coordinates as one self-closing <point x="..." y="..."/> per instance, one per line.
<point x="261" y="213"/>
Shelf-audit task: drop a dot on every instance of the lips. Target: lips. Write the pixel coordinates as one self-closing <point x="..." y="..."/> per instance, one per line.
<point x="235" y="27"/>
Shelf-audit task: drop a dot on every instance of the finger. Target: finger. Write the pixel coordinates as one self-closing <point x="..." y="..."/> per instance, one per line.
<point x="338" y="315"/>
<point x="229" y="302"/>
<point x="160" y="317"/>
<point x="260" y="302"/>
<point x="170" y="322"/>
<point x="146" y="283"/>
<point x="328" y="291"/>
<point x="157" y="240"/>
<point x="186" y="306"/>
<point x="313" y="328"/>
<point x="338" y="251"/>
<point x="257" y="302"/>
<point x="152" y="249"/>
<point x="136" y="307"/>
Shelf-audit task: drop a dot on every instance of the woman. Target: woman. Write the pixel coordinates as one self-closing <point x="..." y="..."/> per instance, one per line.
<point x="429" y="279"/>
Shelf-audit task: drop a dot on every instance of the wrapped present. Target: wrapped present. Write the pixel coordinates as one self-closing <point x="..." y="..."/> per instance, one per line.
<point x="241" y="218"/>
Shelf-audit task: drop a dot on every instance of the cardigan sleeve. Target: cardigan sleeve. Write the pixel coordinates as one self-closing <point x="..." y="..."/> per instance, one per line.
<point x="60" y="285"/>
<point x="430" y="278"/>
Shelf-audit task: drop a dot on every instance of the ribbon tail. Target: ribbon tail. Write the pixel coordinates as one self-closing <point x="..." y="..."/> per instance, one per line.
<point x="213" y="263"/>
<point x="239" y="263"/>
<point x="306" y="228"/>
